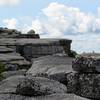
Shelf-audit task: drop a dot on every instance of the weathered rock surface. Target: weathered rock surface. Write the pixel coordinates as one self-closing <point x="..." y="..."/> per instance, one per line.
<point x="9" y="85"/>
<point x="38" y="86"/>
<point x="60" y="77"/>
<point x="85" y="85"/>
<point x="49" y="72"/>
<point x="86" y="64"/>
<point x="14" y="61"/>
<point x="90" y="86"/>
<point x="31" y="86"/>
<point x="48" y="97"/>
<point x="51" y="65"/>
<point x="32" y="48"/>
<point x="4" y="49"/>
<point x="8" y="33"/>
<point x="12" y="73"/>
<point x="72" y="82"/>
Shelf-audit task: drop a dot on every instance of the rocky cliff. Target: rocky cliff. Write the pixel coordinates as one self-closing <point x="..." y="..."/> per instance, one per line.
<point x="41" y="69"/>
<point x="30" y="45"/>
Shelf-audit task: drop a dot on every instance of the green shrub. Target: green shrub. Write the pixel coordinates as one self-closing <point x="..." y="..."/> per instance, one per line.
<point x="2" y="67"/>
<point x="72" y="54"/>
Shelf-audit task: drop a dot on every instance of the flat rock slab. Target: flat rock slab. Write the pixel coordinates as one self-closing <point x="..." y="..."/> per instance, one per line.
<point x="49" y="97"/>
<point x="4" y="49"/>
<point x="13" y="73"/>
<point x="51" y="65"/>
<point x="14" y="61"/>
<point x="32" y="48"/>
<point x="12" y="41"/>
<point x="10" y="57"/>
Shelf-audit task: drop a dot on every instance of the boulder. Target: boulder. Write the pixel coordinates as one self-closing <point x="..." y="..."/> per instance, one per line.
<point x="72" y="82"/>
<point x="51" y="65"/>
<point x="86" y="64"/>
<point x="85" y="85"/>
<point x="30" y="86"/>
<point x="90" y="85"/>
<point x="96" y="85"/>
<point x="31" y="32"/>
<point x="38" y="86"/>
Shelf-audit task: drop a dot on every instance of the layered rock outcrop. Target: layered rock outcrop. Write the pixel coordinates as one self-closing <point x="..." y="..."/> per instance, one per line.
<point x="14" y="61"/>
<point x="9" y="56"/>
<point x="51" y="77"/>
<point x="4" y="49"/>
<point x="32" y="48"/>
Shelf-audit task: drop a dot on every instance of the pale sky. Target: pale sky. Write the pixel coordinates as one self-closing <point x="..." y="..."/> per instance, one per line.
<point x="78" y="20"/>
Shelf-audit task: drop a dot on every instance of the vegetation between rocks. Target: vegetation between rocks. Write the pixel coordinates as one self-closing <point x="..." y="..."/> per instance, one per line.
<point x="2" y="69"/>
<point x="72" y="53"/>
